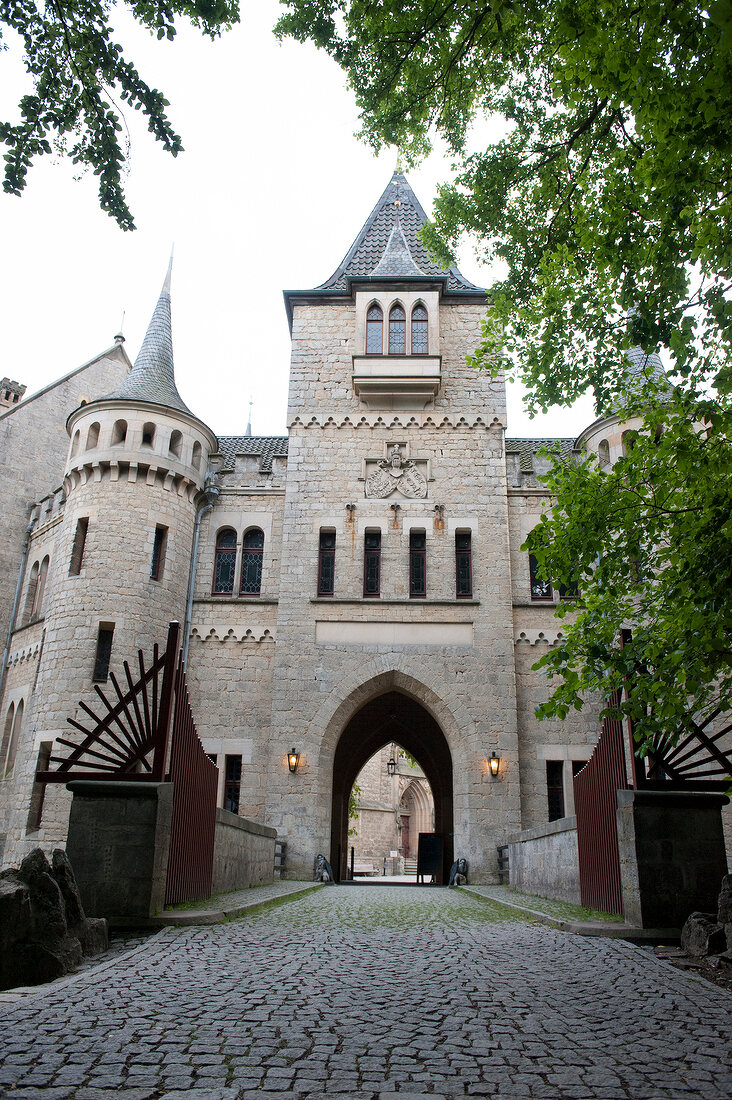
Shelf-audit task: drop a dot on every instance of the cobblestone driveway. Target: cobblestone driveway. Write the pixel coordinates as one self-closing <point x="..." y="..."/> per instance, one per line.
<point x="369" y="992"/>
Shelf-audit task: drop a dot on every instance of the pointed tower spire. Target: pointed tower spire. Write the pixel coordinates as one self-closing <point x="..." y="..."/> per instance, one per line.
<point x="152" y="377"/>
<point x="248" y="432"/>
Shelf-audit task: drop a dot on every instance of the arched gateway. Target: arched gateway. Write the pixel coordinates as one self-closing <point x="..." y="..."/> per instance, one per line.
<point x="391" y="716"/>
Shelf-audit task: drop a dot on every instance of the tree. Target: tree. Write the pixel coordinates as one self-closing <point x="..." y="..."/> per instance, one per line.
<point x="609" y="200"/>
<point x="78" y="70"/>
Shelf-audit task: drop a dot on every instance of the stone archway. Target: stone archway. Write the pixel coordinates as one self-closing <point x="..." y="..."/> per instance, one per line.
<point x="391" y="716"/>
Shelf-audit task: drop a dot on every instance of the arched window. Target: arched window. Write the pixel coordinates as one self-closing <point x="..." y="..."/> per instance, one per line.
<point x="30" y="596"/>
<point x="119" y="433"/>
<point x="397" y="331"/>
<point x="148" y="434"/>
<point x="627" y="442"/>
<point x="7" y="731"/>
<point x="374" y="330"/>
<point x="603" y="452"/>
<point x="14" y="738"/>
<point x="92" y="436"/>
<point x="196" y="456"/>
<point x="176" y="439"/>
<point x="224" y="562"/>
<point x="75" y="443"/>
<point x="419" y="330"/>
<point x="251" y="562"/>
<point x="40" y="589"/>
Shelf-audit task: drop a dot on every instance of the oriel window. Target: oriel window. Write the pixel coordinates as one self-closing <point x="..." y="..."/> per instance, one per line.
<point x="326" y="563"/>
<point x="397" y="331"/>
<point x="463" y="565"/>
<point x="417" y="565"/>
<point x="541" y="588"/>
<point x="372" y="563"/>
<point x="374" y="330"/>
<point x="224" y="562"/>
<point x="251" y="562"/>
<point x="419" y="330"/>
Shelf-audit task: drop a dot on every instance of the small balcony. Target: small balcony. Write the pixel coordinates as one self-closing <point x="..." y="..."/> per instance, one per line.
<point x="396" y="381"/>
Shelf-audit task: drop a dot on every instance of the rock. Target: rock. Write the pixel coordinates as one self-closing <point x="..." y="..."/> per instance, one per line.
<point x="93" y="935"/>
<point x="702" y="935"/>
<point x="61" y="871"/>
<point x="724" y="910"/>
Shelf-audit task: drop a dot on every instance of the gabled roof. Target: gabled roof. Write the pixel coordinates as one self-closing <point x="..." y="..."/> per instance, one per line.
<point x="266" y="447"/>
<point x="398" y="206"/>
<point x="152" y="378"/>
<point x="527" y="448"/>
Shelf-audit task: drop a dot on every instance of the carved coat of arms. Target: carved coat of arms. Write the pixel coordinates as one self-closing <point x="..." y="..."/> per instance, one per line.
<point x="396" y="473"/>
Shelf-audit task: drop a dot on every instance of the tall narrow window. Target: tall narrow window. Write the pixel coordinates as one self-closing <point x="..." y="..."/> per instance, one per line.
<point x="374" y="330"/>
<point x="104" y="653"/>
<point x="148" y="434"/>
<point x="224" y="562"/>
<point x="463" y="565"/>
<point x="30" y="596"/>
<point x="555" y="788"/>
<point x="372" y="563"/>
<point x="176" y="439"/>
<point x="541" y="589"/>
<point x="75" y="444"/>
<point x="417" y="565"/>
<point x="14" y="738"/>
<point x="397" y="331"/>
<point x="119" y="432"/>
<point x="77" y="550"/>
<point x="196" y="456"/>
<point x="7" y="732"/>
<point x="419" y="330"/>
<point x="35" y="812"/>
<point x="251" y="562"/>
<point x="41" y="589"/>
<point x="160" y="542"/>
<point x="232" y="784"/>
<point x="326" y="563"/>
<point x="603" y="451"/>
<point x="92" y="436"/>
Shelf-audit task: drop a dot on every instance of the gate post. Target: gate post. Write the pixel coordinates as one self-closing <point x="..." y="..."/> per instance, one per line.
<point x="672" y="854"/>
<point x="119" y="838"/>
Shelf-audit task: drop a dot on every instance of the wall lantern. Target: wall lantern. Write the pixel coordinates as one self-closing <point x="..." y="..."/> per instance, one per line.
<point x="494" y="762"/>
<point x="391" y="765"/>
<point x="293" y="760"/>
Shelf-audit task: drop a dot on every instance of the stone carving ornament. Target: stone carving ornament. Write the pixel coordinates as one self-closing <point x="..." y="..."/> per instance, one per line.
<point x="396" y="473"/>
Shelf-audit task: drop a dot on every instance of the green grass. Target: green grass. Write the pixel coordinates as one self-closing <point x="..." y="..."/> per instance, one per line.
<point x="563" y="910"/>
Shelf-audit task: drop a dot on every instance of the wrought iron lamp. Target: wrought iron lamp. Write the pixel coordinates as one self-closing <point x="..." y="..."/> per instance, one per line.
<point x="391" y="765"/>
<point x="494" y="763"/>
<point x="293" y="761"/>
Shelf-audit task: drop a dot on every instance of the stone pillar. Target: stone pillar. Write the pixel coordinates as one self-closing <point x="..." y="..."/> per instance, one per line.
<point x="119" y="836"/>
<point x="672" y="854"/>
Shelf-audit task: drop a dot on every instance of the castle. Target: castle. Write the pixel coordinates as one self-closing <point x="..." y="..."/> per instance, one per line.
<point x="356" y="584"/>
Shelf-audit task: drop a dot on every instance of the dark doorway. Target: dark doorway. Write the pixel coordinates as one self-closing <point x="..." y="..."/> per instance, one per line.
<point x="391" y="717"/>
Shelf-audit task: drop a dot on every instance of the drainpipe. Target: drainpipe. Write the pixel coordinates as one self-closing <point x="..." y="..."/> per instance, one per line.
<point x="210" y="494"/>
<point x="16" y="601"/>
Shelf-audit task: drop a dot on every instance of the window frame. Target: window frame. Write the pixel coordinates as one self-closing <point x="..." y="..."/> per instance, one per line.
<point x="234" y="783"/>
<point x="466" y="552"/>
<point x="103" y="655"/>
<point x="78" y="546"/>
<point x="417" y="563"/>
<point x="372" y="553"/>
<point x="371" y="326"/>
<point x="249" y="554"/>
<point x="396" y="308"/>
<point x="220" y="551"/>
<point x="159" y="553"/>
<point x="326" y="554"/>
<point x="419" y="321"/>
<point x="535" y="581"/>
<point x="555" y="791"/>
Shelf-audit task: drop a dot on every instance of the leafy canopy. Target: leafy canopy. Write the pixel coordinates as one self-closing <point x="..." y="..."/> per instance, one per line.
<point x="78" y="73"/>
<point x="609" y="199"/>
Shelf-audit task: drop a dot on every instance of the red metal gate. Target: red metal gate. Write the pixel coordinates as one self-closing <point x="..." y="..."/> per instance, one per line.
<point x="596" y="805"/>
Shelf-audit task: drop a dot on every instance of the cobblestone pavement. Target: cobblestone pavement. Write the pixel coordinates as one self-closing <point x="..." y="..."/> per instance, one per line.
<point x="372" y="992"/>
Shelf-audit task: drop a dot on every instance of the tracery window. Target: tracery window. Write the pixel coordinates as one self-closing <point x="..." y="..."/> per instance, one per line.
<point x="224" y="562"/>
<point x="419" y="330"/>
<point x="251" y="562"/>
<point x="463" y="565"/>
<point x="397" y="331"/>
<point x="374" y="330"/>
<point x="417" y="565"/>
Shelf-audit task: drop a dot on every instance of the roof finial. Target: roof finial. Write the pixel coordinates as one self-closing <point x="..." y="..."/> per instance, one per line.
<point x="119" y="338"/>
<point x="166" y="284"/>
<point x="248" y="432"/>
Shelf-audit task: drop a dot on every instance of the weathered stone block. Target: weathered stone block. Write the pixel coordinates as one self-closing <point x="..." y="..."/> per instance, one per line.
<point x="701" y="935"/>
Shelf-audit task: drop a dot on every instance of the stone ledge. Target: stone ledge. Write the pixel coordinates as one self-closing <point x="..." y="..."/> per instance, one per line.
<point x="378" y="601"/>
<point x="561" y="825"/>
<point x="225" y="817"/>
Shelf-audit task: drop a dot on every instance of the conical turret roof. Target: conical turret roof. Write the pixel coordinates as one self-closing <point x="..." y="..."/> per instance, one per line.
<point x="389" y="239"/>
<point x="152" y="378"/>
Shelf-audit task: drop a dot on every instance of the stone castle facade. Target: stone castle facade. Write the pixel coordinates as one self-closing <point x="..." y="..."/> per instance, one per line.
<point x="357" y="583"/>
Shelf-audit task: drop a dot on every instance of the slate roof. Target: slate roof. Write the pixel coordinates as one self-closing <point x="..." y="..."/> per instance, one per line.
<point x="152" y="377"/>
<point x="398" y="206"/>
<point x="266" y="447"/>
<point x="527" y="448"/>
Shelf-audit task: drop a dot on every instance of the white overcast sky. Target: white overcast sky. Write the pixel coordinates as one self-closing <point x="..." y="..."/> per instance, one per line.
<point x="270" y="192"/>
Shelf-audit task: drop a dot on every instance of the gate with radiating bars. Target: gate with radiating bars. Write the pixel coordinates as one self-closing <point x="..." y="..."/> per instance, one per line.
<point x="146" y="733"/>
